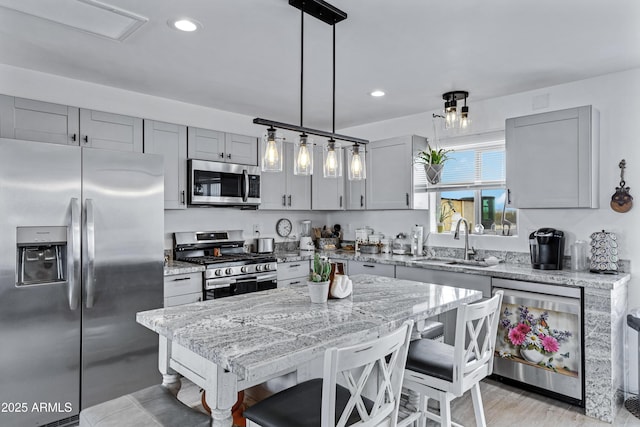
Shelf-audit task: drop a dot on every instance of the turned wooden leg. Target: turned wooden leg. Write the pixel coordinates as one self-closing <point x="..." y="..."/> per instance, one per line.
<point x="221" y="395"/>
<point x="170" y="378"/>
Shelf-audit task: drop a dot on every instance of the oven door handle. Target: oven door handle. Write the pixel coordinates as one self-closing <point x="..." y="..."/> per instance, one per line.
<point x="258" y="278"/>
<point x="219" y="283"/>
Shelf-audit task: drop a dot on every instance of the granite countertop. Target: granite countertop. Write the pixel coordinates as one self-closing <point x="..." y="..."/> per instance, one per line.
<point x="517" y="271"/>
<point x="173" y="267"/>
<point x="258" y="334"/>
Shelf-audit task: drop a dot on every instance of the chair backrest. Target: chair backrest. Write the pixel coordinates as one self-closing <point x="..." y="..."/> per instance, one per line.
<point x="354" y="367"/>
<point x="475" y="341"/>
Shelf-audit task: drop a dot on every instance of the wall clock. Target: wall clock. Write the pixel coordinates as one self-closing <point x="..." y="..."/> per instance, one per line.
<point x="283" y="227"/>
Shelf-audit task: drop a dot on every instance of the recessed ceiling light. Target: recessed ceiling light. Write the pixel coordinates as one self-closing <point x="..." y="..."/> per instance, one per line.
<point x="184" y="24"/>
<point x="377" y="93"/>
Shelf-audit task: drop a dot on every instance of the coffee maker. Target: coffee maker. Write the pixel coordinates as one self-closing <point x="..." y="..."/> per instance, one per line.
<point x="547" y="249"/>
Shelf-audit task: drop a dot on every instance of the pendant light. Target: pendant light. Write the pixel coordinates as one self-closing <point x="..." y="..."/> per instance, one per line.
<point x="272" y="151"/>
<point x="332" y="153"/>
<point x="303" y="147"/>
<point x="356" y="161"/>
<point x="452" y="119"/>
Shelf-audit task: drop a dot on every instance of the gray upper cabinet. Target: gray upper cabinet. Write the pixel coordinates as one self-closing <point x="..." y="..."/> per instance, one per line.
<point x="206" y="144"/>
<point x="284" y="190"/>
<point x="38" y="121"/>
<point x="355" y="191"/>
<point x="390" y="174"/>
<point x="60" y="124"/>
<point x="552" y="159"/>
<point x="169" y="140"/>
<point x="326" y="193"/>
<point x="110" y="131"/>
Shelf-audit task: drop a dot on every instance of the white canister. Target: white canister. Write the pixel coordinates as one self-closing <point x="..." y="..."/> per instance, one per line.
<point x="579" y="255"/>
<point x="386" y="245"/>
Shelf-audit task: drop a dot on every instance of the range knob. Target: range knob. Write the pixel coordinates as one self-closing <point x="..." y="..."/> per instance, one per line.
<point x="229" y="270"/>
<point x="244" y="269"/>
<point x="218" y="272"/>
<point x="258" y="267"/>
<point x="267" y="267"/>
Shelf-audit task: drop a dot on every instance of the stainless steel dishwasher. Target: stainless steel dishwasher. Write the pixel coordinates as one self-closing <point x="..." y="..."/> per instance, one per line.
<point x="540" y="338"/>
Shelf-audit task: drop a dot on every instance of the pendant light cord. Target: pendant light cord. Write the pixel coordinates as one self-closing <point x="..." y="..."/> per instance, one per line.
<point x="333" y="126"/>
<point x="301" y="63"/>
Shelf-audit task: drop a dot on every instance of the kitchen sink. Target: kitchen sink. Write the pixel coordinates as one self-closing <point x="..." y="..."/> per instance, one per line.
<point x="454" y="261"/>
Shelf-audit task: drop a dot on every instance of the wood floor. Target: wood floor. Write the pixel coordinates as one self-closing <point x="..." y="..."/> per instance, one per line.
<point x="504" y="406"/>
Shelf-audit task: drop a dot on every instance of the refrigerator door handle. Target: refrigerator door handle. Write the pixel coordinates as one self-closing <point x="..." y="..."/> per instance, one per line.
<point x="73" y="257"/>
<point x="91" y="253"/>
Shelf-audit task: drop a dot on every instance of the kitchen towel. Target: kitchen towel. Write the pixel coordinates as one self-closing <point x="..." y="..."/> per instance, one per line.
<point x="341" y="286"/>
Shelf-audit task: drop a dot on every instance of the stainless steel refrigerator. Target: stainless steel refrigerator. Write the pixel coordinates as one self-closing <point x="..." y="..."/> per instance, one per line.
<point x="81" y="251"/>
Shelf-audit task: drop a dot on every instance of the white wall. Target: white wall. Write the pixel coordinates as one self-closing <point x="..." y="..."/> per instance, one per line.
<point x="616" y="97"/>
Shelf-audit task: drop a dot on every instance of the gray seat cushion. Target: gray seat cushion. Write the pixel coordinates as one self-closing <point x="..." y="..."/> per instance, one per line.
<point x="432" y="330"/>
<point x="299" y="406"/>
<point x="150" y="407"/>
<point x="431" y="358"/>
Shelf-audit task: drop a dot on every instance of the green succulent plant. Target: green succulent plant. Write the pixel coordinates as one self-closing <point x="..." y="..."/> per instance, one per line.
<point x="321" y="269"/>
<point x="432" y="156"/>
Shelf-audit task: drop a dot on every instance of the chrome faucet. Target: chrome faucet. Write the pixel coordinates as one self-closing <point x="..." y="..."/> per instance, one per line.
<point x="468" y="253"/>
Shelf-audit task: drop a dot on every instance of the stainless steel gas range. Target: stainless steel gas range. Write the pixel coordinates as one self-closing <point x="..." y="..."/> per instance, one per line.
<point x="230" y="271"/>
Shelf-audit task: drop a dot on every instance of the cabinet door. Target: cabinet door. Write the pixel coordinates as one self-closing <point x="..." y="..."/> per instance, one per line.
<point x="241" y="149"/>
<point x="205" y="144"/>
<point x="326" y="193"/>
<point x="293" y="270"/>
<point x="170" y="140"/>
<point x="358" y="267"/>
<point x="552" y="159"/>
<point x="298" y="186"/>
<point x="273" y="185"/>
<point x="389" y="168"/>
<point x="110" y="131"/>
<point x="355" y="195"/>
<point x="38" y="121"/>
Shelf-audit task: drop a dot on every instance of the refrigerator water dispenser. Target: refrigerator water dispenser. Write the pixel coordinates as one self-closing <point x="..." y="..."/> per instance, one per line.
<point x="41" y="255"/>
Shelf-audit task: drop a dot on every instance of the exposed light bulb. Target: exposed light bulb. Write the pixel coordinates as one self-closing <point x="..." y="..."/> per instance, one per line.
<point x="272" y="156"/>
<point x="303" y="164"/>
<point x="332" y="161"/>
<point x="272" y="151"/>
<point x="464" y="117"/>
<point x="356" y="164"/>
<point x="303" y="156"/>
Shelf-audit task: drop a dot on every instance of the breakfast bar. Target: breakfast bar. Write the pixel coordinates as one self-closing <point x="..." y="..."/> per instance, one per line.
<point x="234" y="343"/>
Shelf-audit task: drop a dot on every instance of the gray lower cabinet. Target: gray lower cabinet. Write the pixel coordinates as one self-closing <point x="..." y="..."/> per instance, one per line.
<point x="359" y="267"/>
<point x="33" y="120"/>
<point x="182" y="289"/>
<point x="552" y="159"/>
<point x="293" y="273"/>
<point x="449" y="278"/>
<point x="170" y="141"/>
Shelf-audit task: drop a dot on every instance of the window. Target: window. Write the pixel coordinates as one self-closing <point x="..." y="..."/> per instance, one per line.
<point x="473" y="187"/>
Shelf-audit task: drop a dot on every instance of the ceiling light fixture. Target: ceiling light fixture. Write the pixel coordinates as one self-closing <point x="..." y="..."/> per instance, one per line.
<point x="453" y="119"/>
<point x="303" y="152"/>
<point x="185" y="24"/>
<point x="377" y="93"/>
<point x="272" y="151"/>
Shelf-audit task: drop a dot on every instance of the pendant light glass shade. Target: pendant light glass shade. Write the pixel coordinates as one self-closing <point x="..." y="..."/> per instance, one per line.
<point x="303" y="155"/>
<point x="450" y="114"/>
<point x="332" y="160"/>
<point x="272" y="151"/>
<point x="357" y="165"/>
<point x="464" y="118"/>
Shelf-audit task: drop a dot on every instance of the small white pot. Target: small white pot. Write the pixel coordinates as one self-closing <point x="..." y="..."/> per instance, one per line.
<point x="319" y="291"/>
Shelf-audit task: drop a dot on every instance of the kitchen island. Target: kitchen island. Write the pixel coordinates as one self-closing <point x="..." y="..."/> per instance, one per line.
<point x="234" y="343"/>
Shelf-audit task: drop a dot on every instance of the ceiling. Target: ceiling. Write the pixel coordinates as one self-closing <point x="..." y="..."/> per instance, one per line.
<point x="246" y="57"/>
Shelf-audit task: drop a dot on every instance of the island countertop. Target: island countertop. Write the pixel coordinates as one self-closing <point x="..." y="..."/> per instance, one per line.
<point x="253" y="335"/>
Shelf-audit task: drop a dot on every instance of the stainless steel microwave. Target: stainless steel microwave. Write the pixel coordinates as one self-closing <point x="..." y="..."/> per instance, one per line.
<point x="223" y="184"/>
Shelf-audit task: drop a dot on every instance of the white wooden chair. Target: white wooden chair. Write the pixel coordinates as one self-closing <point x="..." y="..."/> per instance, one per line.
<point x="323" y="402"/>
<point x="443" y="372"/>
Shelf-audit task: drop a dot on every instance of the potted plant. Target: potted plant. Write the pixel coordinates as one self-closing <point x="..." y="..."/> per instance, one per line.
<point x="318" y="282"/>
<point x="433" y="160"/>
<point x="444" y="212"/>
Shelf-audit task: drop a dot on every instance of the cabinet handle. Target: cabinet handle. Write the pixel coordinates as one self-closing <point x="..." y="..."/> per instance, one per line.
<point x="340" y="201"/>
<point x="86" y="139"/>
<point x="289" y="199"/>
<point x="362" y="201"/>
<point x="199" y="299"/>
<point x="228" y="156"/>
<point x="182" y="194"/>
<point x="284" y="200"/>
<point x="407" y="194"/>
<point x="181" y="279"/>
<point x="73" y="137"/>
<point x="221" y="155"/>
<point x="297" y="282"/>
<point x="508" y="196"/>
<point x="295" y="265"/>
<point x="368" y="265"/>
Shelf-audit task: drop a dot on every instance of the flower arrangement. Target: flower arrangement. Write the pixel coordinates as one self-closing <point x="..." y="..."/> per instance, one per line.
<point x="321" y="269"/>
<point x="533" y="333"/>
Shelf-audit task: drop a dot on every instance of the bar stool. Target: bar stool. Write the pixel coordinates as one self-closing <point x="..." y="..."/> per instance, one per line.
<point x="324" y="402"/>
<point x="436" y="370"/>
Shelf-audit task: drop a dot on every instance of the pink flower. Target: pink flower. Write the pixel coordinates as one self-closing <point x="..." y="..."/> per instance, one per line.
<point x="550" y="344"/>
<point x="516" y="336"/>
<point x="523" y="328"/>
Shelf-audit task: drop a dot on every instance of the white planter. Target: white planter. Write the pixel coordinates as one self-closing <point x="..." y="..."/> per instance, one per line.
<point x="533" y="356"/>
<point x="319" y="291"/>
<point x="433" y="173"/>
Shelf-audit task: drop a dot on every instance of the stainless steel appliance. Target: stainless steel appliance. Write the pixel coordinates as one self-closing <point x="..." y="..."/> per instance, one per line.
<point x="80" y="254"/>
<point x="540" y="338"/>
<point x="547" y="249"/>
<point x="230" y="271"/>
<point x="223" y="184"/>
